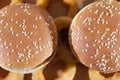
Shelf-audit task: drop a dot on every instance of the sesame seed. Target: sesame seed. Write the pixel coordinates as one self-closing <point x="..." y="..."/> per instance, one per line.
<point x="6" y="47"/>
<point x="107" y="14"/>
<point x="0" y="31"/>
<point x="98" y="31"/>
<point x="118" y="48"/>
<point x="13" y="50"/>
<point x="39" y="39"/>
<point x="1" y="55"/>
<point x="91" y="31"/>
<point x="16" y="14"/>
<point x="18" y="61"/>
<point x="27" y="47"/>
<point x="80" y="16"/>
<point x="86" y="45"/>
<point x="16" y="22"/>
<point x="1" y="46"/>
<point x="103" y="56"/>
<point x="36" y="52"/>
<point x="47" y="24"/>
<point x="1" y="34"/>
<point x="9" y="64"/>
<point x="28" y="37"/>
<point x="91" y="57"/>
<point x="21" y="42"/>
<point x="8" y="54"/>
<point x="17" y="46"/>
<point x="31" y="33"/>
<point x="96" y="12"/>
<point x="1" y="21"/>
<point x="86" y="37"/>
<point x="5" y="43"/>
<point x="40" y="48"/>
<point x="91" y="65"/>
<point x="0" y="39"/>
<point x="27" y="62"/>
<point x="11" y="29"/>
<point x="17" y="34"/>
<point x="86" y="50"/>
<point x="11" y="19"/>
<point x="20" y="54"/>
<point x="8" y="60"/>
<point x="94" y="45"/>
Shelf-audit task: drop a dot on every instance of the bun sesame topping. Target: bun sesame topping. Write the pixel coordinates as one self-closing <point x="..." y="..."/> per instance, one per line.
<point x="95" y="36"/>
<point x="28" y="37"/>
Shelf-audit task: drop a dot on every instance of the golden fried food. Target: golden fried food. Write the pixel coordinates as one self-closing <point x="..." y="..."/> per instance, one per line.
<point x="38" y="75"/>
<point x="96" y="75"/>
<point x="14" y="76"/>
<point x="16" y="1"/>
<point x="64" y="51"/>
<point x="42" y="3"/>
<point x="68" y="72"/>
<point x="73" y="7"/>
<point x="57" y="8"/>
<point x="115" y="77"/>
<point x="63" y="22"/>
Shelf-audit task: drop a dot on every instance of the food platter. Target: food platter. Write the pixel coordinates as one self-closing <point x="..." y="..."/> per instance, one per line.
<point x="60" y="68"/>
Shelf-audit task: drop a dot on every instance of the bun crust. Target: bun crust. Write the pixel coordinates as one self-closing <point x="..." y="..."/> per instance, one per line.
<point x="28" y="37"/>
<point x="95" y="36"/>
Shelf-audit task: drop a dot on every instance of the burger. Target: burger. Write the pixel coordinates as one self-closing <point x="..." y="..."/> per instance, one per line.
<point x="94" y="36"/>
<point x="28" y="38"/>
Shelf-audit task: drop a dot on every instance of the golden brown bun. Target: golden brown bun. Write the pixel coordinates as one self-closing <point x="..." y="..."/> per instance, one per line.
<point x="28" y="37"/>
<point x="95" y="36"/>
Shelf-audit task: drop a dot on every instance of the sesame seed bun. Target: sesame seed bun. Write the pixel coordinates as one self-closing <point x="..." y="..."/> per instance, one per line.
<point x="28" y="38"/>
<point x="95" y="36"/>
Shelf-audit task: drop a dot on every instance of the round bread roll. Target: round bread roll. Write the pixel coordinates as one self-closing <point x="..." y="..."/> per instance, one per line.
<point x="28" y="38"/>
<point x="95" y="36"/>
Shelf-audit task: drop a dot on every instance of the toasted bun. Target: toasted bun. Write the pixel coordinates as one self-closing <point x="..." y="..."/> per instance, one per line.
<point x="95" y="36"/>
<point x="28" y="37"/>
